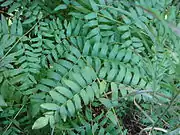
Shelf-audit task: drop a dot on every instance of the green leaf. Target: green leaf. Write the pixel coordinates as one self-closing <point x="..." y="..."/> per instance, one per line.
<point x="106" y="14"/>
<point x="104" y="51"/>
<point x="57" y="97"/>
<point x="174" y="131"/>
<point x="107" y="33"/>
<point x="114" y="52"/>
<point x="1" y="109"/>
<point x="128" y="55"/>
<point x="91" y="16"/>
<point x="60" y="7"/>
<point x="40" y="123"/>
<point x="52" y="121"/>
<point x="55" y="55"/>
<point x="6" y="3"/>
<point x="64" y="91"/>
<point x="30" y="20"/>
<point x="114" y="89"/>
<point x="35" y="108"/>
<point x="19" y="28"/>
<point x="93" y="5"/>
<point x="32" y="78"/>
<point x="105" y="27"/>
<point x="1" y="79"/>
<point x="101" y="131"/>
<point x="123" y="28"/>
<point x="79" y="79"/>
<point x="77" y="102"/>
<point x="18" y="78"/>
<point x="90" y="93"/>
<point x="142" y="83"/>
<point x="112" y="117"/>
<point x="86" y="48"/>
<point x="71" y="107"/>
<point x="136" y="77"/>
<point x="69" y="29"/>
<point x="43" y="87"/>
<point x="106" y="102"/>
<point x="103" y="71"/>
<point x="45" y="34"/>
<point x="14" y="7"/>
<point x="66" y="64"/>
<point x="136" y="40"/>
<point x="123" y="90"/>
<point x="4" y="24"/>
<point x="126" y="35"/>
<point x="93" y="32"/>
<point x="75" y="51"/>
<point x="63" y="113"/>
<point x="121" y="74"/>
<point x="14" y="27"/>
<point x="74" y="86"/>
<point x="88" y="74"/>
<point x="102" y="86"/>
<point x="50" y="106"/>
<point x="48" y="82"/>
<point x="2" y="102"/>
<point x="10" y="41"/>
<point x="84" y="96"/>
<point x="91" y="23"/>
<point x="127" y="43"/>
<point x="54" y="75"/>
<point x="112" y="73"/>
<point x="94" y="128"/>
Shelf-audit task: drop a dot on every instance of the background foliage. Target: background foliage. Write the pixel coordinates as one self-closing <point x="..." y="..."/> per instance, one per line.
<point x="89" y="67"/>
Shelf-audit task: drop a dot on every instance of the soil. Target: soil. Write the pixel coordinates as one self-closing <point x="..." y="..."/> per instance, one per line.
<point x="132" y="124"/>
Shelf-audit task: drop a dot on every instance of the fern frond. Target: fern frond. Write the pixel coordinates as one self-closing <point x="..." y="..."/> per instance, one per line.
<point x="70" y="93"/>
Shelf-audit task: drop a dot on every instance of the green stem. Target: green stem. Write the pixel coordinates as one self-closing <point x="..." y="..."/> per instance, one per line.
<point x="165" y="110"/>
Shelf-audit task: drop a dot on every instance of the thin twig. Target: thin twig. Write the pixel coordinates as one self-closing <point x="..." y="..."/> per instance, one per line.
<point x="91" y="120"/>
<point x="113" y="110"/>
<point x="52" y="132"/>
<point x="150" y="128"/>
<point x="18" y="41"/>
<point x="143" y="111"/>
<point x="13" y="119"/>
<point x="165" y="110"/>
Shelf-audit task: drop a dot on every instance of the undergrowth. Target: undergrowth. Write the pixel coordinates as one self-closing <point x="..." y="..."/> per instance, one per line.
<point x="89" y="67"/>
